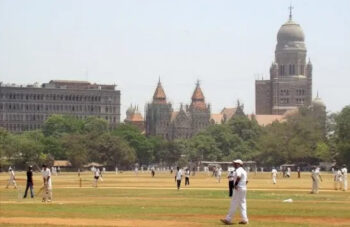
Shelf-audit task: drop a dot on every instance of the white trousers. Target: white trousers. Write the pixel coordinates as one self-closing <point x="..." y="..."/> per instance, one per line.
<point x="238" y="200"/>
<point x="11" y="182"/>
<point x="274" y="180"/>
<point x="315" y="186"/>
<point x="345" y="184"/>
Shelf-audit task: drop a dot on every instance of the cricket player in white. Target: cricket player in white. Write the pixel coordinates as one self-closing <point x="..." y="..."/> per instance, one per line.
<point x="316" y="178"/>
<point x="178" y="177"/>
<point x="219" y="173"/>
<point x="274" y="175"/>
<point x="12" y="179"/>
<point x="239" y="195"/>
<point x="96" y="176"/>
<point x="344" y="172"/>
<point x="47" y="195"/>
<point x="338" y="179"/>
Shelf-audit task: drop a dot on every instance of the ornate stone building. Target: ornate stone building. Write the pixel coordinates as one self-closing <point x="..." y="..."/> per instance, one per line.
<point x="162" y="120"/>
<point x="134" y="117"/>
<point x="27" y="107"/>
<point x="290" y="83"/>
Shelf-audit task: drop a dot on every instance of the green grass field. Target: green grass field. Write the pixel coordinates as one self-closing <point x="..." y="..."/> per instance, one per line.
<point x="127" y="199"/>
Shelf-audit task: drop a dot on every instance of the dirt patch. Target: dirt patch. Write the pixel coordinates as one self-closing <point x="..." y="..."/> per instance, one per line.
<point x="329" y="221"/>
<point x="93" y="222"/>
<point x="301" y="220"/>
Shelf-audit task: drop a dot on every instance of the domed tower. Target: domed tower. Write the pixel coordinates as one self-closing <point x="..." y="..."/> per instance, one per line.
<point x="290" y="83"/>
<point x="158" y="114"/>
<point x="199" y="111"/>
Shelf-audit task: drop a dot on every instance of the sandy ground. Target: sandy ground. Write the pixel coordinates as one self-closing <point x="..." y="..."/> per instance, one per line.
<point x="174" y="222"/>
<point x="93" y="222"/>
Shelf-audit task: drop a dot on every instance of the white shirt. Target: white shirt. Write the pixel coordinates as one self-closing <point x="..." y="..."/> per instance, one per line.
<point x="274" y="172"/>
<point x="232" y="175"/>
<point x="187" y="173"/>
<point x="12" y="174"/>
<point x="179" y="174"/>
<point x="339" y="176"/>
<point x="344" y="172"/>
<point x="241" y="173"/>
<point x="46" y="174"/>
<point x="219" y="172"/>
<point x="97" y="173"/>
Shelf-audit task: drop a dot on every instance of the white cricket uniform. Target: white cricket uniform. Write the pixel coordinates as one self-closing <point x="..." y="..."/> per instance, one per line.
<point x="179" y="174"/>
<point x="274" y="175"/>
<point x="12" y="180"/>
<point x="96" y="176"/>
<point x="47" y="195"/>
<point x="219" y="174"/>
<point x="239" y="196"/>
<point x="288" y="172"/>
<point x="315" y="175"/>
<point x="344" y="172"/>
<point x="338" y="179"/>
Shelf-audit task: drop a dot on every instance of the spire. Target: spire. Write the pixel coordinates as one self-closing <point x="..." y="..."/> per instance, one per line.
<point x="198" y="94"/>
<point x="159" y="94"/>
<point x="290" y="11"/>
<point x="198" y="100"/>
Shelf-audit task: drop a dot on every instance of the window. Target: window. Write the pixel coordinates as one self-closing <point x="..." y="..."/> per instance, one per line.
<point x="284" y="100"/>
<point x="291" y="69"/>
<point x="281" y="69"/>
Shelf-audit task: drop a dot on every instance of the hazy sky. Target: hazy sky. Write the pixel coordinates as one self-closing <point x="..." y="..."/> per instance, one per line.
<point x="224" y="44"/>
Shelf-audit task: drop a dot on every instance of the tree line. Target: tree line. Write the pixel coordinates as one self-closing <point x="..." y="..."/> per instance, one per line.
<point x="307" y="136"/>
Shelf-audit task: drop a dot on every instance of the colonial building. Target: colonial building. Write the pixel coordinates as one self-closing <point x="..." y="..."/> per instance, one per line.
<point x="134" y="117"/>
<point x="27" y="107"/>
<point x="162" y="120"/>
<point x="290" y="83"/>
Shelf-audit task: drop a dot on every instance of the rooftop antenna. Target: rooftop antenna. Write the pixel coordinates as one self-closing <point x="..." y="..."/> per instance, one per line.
<point x="198" y="82"/>
<point x="290" y="11"/>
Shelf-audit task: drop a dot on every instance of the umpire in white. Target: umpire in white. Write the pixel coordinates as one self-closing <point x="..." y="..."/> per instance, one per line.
<point x="239" y="195"/>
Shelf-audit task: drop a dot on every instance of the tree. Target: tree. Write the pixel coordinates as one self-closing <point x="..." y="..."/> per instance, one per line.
<point x="138" y="141"/>
<point x="57" y="125"/>
<point x="114" y="151"/>
<point x="75" y="149"/>
<point x="95" y="125"/>
<point x="302" y="138"/>
<point x="342" y="136"/>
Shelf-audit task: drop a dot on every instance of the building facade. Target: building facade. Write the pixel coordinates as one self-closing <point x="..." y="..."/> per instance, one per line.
<point x="163" y="121"/>
<point x="290" y="83"/>
<point x="134" y="117"/>
<point x="27" y="107"/>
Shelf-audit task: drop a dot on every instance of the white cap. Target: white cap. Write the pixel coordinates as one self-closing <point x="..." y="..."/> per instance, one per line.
<point x="238" y="161"/>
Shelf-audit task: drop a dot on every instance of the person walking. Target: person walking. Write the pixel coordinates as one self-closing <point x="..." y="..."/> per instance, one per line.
<point x="30" y="183"/>
<point x="316" y="178"/>
<point x="187" y="177"/>
<point x="338" y="179"/>
<point x="153" y="171"/>
<point x="344" y="172"/>
<point x="231" y="181"/>
<point x="219" y="173"/>
<point x="47" y="195"/>
<point x="239" y="197"/>
<point x="96" y="176"/>
<point x="288" y="172"/>
<point x="274" y="175"/>
<point x="12" y="179"/>
<point x="298" y="170"/>
<point x="178" y="177"/>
